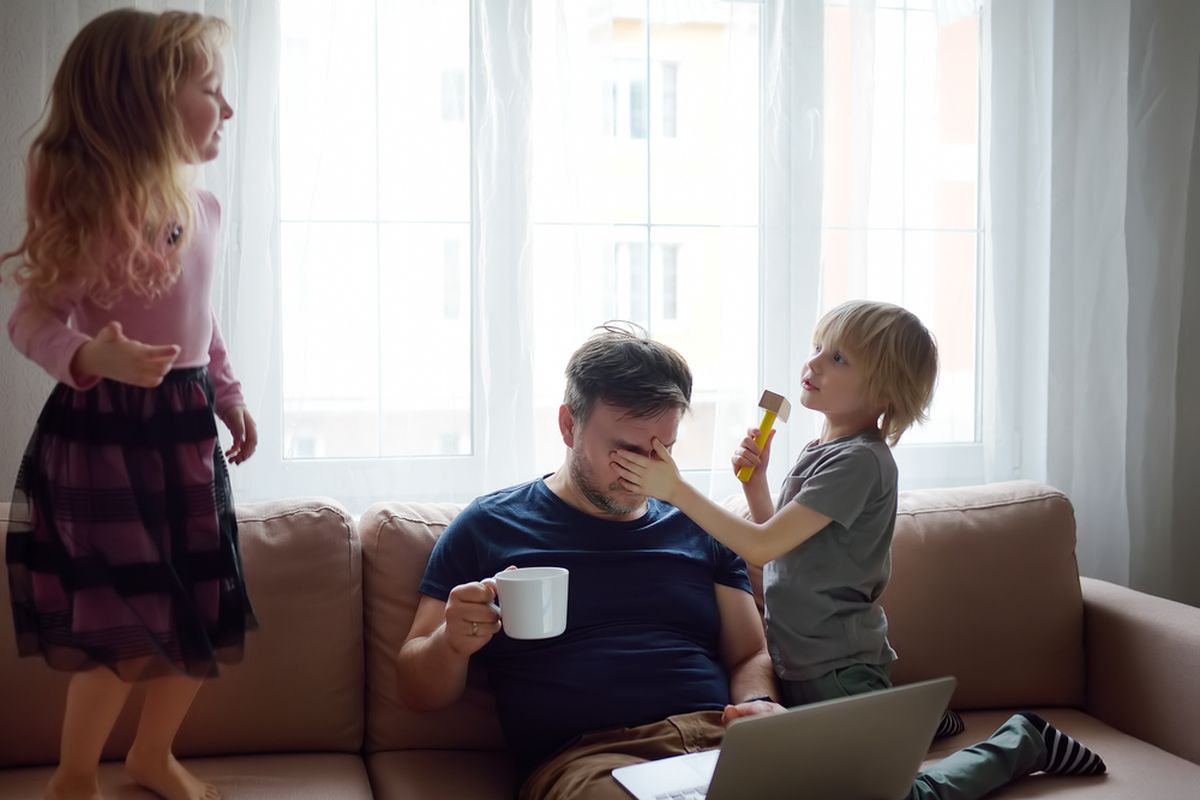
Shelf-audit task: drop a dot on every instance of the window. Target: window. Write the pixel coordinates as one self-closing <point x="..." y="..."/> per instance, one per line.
<point x="454" y="275"/>
<point x="630" y="103"/>
<point x="631" y="291"/>
<point x="375" y="223"/>
<point x="622" y="199"/>
<point x="901" y="216"/>
<point x="465" y="197"/>
<point x="454" y="96"/>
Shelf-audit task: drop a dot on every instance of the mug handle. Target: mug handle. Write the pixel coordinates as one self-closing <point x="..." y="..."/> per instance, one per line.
<point x="491" y="584"/>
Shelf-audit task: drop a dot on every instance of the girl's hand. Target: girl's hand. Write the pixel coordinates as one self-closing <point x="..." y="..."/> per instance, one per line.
<point x="656" y="476"/>
<point x="110" y="354"/>
<point x="244" y="431"/>
<point x="749" y="454"/>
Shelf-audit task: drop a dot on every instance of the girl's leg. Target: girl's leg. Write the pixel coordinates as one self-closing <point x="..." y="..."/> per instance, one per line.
<point x="94" y="700"/>
<point x="150" y="761"/>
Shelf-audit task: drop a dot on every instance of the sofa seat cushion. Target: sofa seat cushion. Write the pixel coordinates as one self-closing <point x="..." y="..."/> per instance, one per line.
<point x="433" y="774"/>
<point x="302" y="776"/>
<point x="1136" y="770"/>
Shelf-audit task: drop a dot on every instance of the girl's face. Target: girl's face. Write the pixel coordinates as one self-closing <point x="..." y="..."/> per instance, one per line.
<point x="833" y="383"/>
<point x="202" y="109"/>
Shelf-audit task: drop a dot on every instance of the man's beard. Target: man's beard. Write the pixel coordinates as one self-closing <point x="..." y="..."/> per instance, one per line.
<point x="596" y="497"/>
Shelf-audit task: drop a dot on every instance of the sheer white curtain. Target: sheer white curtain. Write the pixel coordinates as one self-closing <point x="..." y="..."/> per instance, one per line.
<point x="896" y="205"/>
<point x="608" y="168"/>
<point x="1091" y="122"/>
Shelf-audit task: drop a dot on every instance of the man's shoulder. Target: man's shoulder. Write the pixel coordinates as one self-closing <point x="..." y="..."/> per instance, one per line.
<point x="518" y="497"/>
<point x="511" y="502"/>
<point x="669" y="516"/>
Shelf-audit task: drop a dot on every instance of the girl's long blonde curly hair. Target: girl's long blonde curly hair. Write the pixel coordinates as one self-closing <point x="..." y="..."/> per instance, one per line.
<point x="107" y="194"/>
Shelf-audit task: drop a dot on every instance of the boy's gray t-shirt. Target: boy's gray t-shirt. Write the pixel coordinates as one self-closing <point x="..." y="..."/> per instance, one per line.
<point x="822" y="609"/>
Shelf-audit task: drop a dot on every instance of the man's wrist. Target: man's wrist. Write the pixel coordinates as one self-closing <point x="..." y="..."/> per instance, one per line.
<point x="766" y="698"/>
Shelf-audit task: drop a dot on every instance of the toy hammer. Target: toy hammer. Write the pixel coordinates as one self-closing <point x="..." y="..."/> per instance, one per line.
<point x="773" y="406"/>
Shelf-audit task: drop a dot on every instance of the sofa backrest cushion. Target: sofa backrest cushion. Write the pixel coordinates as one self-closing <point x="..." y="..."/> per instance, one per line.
<point x="985" y="587"/>
<point x="299" y="686"/>
<point x="397" y="540"/>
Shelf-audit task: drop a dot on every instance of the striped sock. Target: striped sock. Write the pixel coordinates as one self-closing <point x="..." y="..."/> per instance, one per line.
<point x="951" y="725"/>
<point x="1064" y="755"/>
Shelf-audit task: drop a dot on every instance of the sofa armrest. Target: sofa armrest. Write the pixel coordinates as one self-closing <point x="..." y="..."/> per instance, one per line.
<point x="1143" y="665"/>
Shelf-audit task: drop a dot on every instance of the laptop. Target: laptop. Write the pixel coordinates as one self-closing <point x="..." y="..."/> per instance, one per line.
<point x="865" y="747"/>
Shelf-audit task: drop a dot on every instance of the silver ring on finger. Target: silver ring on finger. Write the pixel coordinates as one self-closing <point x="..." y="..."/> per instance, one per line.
<point x="474" y="628"/>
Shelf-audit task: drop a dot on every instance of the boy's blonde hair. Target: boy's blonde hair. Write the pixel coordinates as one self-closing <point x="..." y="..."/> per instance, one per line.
<point x="898" y="355"/>
<point x="107" y="185"/>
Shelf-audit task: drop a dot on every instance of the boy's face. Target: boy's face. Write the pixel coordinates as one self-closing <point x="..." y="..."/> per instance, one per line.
<point x="833" y="383"/>
<point x="606" y="429"/>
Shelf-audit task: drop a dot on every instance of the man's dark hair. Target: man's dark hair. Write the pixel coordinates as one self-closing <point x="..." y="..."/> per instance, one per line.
<point x="621" y="366"/>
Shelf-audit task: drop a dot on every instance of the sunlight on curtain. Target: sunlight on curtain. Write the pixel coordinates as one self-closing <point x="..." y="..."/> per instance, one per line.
<point x="465" y="191"/>
<point x="901" y="188"/>
<point x="645" y="190"/>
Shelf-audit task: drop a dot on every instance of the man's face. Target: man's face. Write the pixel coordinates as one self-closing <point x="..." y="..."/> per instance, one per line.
<point x="608" y="428"/>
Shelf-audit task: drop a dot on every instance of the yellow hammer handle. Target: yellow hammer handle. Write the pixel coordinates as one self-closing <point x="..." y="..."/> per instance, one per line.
<point x="764" y="430"/>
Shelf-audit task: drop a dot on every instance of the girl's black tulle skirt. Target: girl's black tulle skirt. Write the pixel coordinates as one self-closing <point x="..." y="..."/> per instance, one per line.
<point x="122" y="549"/>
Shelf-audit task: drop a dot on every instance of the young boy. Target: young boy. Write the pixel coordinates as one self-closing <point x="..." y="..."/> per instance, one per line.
<point x="826" y="546"/>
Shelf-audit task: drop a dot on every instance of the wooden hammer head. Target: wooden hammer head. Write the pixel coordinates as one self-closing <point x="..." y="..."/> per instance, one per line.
<point x="776" y="403"/>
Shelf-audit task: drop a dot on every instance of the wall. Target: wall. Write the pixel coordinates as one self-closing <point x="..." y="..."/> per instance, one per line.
<point x="24" y="83"/>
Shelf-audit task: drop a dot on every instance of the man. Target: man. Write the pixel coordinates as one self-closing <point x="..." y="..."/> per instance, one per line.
<point x="662" y="636"/>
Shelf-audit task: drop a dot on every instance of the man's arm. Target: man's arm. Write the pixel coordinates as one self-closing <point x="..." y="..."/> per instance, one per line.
<point x="432" y="662"/>
<point x="744" y="646"/>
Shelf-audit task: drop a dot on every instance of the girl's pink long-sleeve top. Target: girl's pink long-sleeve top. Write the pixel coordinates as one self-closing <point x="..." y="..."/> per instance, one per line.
<point x="181" y="316"/>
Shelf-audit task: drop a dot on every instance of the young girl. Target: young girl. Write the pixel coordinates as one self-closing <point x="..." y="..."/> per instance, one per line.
<point x="826" y="546"/>
<point x="122" y="555"/>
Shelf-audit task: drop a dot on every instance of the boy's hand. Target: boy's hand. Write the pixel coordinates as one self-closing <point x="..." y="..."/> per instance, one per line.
<point x="655" y="476"/>
<point x="244" y="431"/>
<point x="749" y="454"/>
<point x="111" y="354"/>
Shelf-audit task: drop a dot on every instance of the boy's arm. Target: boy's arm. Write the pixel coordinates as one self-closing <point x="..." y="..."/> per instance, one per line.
<point x="758" y="499"/>
<point x="756" y="543"/>
<point x="750" y="455"/>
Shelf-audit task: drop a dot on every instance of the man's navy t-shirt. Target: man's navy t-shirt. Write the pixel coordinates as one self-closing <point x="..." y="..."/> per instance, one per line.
<point x="643" y="627"/>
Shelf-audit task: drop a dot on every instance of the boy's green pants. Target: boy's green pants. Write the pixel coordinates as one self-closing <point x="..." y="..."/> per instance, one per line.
<point x="1015" y="750"/>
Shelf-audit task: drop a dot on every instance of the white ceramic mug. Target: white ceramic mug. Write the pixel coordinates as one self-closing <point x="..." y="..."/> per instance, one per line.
<point x="532" y="601"/>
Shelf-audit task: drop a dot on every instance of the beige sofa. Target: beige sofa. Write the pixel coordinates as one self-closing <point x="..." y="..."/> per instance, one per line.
<point x="985" y="587"/>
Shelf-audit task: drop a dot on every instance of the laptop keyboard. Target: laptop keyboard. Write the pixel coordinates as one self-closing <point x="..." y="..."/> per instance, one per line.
<point x="695" y="793"/>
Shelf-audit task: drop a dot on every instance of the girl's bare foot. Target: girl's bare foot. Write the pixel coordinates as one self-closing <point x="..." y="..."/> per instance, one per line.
<point x="68" y="787"/>
<point x="167" y="777"/>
